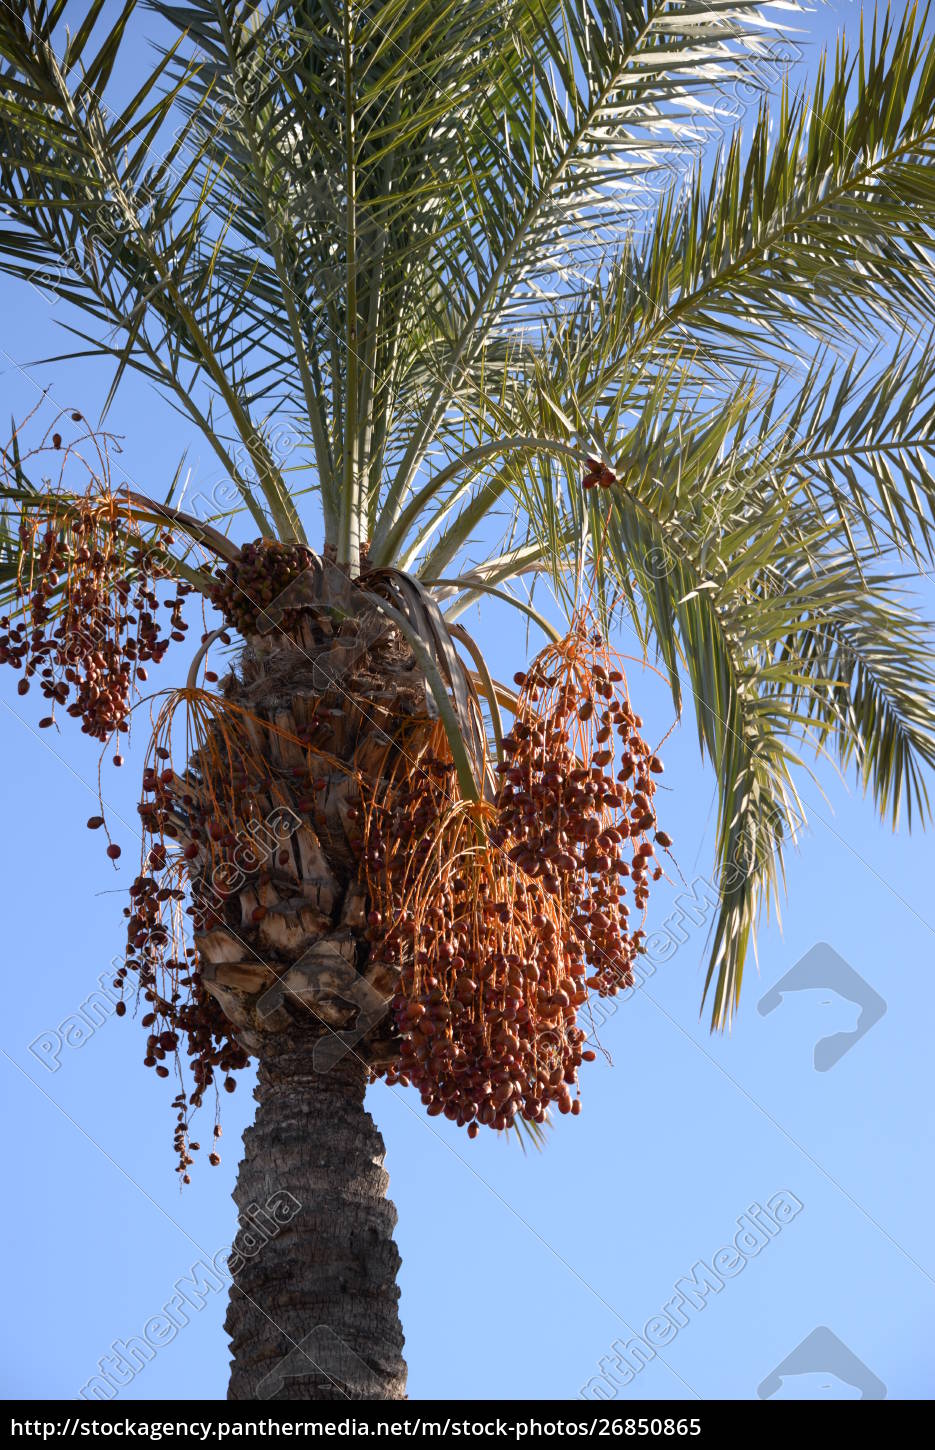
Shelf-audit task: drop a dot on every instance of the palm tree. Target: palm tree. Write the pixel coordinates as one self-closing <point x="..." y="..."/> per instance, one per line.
<point x="470" y="257"/>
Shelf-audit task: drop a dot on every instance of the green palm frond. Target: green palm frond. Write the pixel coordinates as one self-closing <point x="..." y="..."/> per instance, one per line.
<point x="765" y="606"/>
<point x="818" y="223"/>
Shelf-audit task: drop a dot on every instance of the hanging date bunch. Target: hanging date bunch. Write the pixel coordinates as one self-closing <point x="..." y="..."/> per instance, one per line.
<point x="85" y="620"/>
<point x="576" y="808"/>
<point x="215" y="835"/>
<point x="486" y="1004"/>
<point x="501" y="917"/>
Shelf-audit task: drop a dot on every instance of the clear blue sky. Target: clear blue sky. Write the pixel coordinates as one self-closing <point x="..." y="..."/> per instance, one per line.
<point x="519" y="1273"/>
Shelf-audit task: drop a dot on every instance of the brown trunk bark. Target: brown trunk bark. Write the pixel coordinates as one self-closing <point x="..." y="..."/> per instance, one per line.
<point x="313" y="1311"/>
<point x="318" y="715"/>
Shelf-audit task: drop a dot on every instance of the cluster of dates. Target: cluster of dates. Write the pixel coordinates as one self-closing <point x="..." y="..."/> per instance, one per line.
<point x="486" y="1006"/>
<point x="195" y="852"/>
<point x="576" y="807"/>
<point x="263" y="571"/>
<point x="500" y="922"/>
<point x="88" y="620"/>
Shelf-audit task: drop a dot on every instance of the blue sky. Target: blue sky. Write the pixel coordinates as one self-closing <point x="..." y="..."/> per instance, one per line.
<point x="519" y="1272"/>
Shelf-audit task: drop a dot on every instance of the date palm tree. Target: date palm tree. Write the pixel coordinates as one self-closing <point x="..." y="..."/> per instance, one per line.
<point x="476" y="263"/>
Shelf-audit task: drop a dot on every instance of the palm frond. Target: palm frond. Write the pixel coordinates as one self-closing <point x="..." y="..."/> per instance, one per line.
<point x="819" y="224"/>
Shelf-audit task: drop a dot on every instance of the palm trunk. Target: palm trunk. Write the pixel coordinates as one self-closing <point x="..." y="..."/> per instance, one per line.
<point x="286" y="955"/>
<point x="313" y="1312"/>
